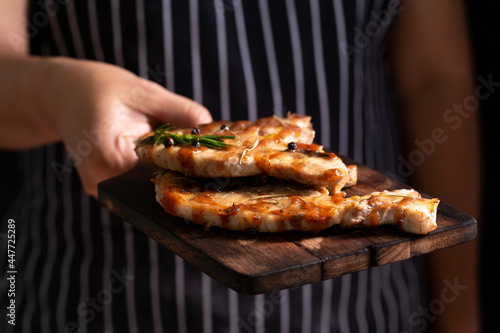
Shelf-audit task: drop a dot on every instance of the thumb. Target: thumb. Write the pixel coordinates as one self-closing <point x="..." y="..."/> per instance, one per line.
<point x="166" y="106"/>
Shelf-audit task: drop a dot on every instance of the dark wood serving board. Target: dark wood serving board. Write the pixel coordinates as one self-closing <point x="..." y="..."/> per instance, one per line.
<point x="253" y="264"/>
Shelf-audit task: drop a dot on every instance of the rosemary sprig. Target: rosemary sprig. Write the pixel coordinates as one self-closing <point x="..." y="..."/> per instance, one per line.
<point x="162" y="133"/>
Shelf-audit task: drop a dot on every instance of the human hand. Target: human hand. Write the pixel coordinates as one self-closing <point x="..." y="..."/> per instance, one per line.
<point x="98" y="109"/>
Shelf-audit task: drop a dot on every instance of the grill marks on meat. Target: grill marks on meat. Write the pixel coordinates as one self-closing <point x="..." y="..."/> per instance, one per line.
<point x="258" y="148"/>
<point x="276" y="206"/>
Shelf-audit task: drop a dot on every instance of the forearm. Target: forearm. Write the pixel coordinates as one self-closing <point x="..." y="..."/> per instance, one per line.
<point x="24" y="81"/>
<point x="448" y="166"/>
<point x="432" y="68"/>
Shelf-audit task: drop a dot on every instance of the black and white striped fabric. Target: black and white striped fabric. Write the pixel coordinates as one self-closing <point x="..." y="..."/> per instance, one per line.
<point x="81" y="269"/>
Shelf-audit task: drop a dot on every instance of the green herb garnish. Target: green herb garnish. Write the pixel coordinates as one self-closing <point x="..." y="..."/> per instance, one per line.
<point x="162" y="133"/>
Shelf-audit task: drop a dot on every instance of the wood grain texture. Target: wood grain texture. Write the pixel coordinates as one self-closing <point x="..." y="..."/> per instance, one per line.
<point x="253" y="264"/>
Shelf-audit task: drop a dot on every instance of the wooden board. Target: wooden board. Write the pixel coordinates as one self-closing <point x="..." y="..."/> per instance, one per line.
<point x="253" y="264"/>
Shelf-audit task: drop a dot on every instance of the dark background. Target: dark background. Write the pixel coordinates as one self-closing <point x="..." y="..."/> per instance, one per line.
<point x="484" y="18"/>
<point x="485" y="33"/>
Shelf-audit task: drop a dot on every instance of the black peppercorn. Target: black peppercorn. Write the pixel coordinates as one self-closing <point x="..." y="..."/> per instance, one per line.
<point x="292" y="146"/>
<point x="168" y="142"/>
<point x="195" y="130"/>
<point x="196" y="143"/>
<point x="224" y="127"/>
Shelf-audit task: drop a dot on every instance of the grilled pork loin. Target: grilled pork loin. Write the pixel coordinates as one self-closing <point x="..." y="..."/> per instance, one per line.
<point x="280" y="147"/>
<point x="270" y="205"/>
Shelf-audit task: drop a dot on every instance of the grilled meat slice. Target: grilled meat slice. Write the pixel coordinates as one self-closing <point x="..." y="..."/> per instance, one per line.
<point x="276" y="206"/>
<point x="281" y="147"/>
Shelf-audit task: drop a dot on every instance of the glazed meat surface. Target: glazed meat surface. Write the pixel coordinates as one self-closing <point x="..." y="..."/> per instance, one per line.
<point x="265" y="204"/>
<point x="280" y="147"/>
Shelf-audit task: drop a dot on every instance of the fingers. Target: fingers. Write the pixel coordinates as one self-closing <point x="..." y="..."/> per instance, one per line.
<point x="112" y="159"/>
<point x="166" y="106"/>
<point x="131" y="105"/>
